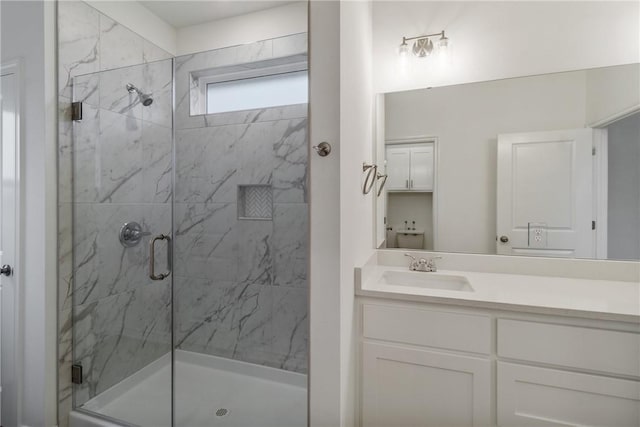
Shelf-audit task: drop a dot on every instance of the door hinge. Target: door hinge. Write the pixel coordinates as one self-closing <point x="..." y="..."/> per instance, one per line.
<point x="593" y="225"/>
<point x="593" y="151"/>
<point x="76" y="111"/>
<point x="76" y="374"/>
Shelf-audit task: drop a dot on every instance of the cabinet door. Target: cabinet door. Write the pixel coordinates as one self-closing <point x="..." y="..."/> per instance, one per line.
<point x="532" y="396"/>
<point x="403" y="386"/>
<point x="421" y="168"/>
<point x="398" y="168"/>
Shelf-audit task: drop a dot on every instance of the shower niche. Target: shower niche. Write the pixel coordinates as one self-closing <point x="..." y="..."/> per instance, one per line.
<point x="227" y="193"/>
<point x="255" y="202"/>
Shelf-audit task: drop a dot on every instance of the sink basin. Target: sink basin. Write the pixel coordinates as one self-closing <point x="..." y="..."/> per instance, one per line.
<point x="420" y="279"/>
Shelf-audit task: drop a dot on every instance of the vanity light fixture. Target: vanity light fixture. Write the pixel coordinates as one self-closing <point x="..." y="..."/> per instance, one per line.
<point x="423" y="45"/>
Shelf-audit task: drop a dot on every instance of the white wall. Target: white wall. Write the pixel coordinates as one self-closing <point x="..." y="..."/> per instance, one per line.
<point x="251" y="27"/>
<point x="140" y="20"/>
<point x="28" y="32"/>
<point x="624" y="189"/>
<point x="324" y="205"/>
<point x="492" y="40"/>
<point x="612" y="90"/>
<point x="467" y="119"/>
<point x="356" y="209"/>
<point x="341" y="217"/>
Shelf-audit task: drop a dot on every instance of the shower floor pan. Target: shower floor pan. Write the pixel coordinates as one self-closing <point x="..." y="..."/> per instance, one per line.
<point x="209" y="391"/>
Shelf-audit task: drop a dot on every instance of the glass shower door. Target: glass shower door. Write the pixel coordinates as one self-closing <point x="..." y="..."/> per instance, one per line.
<point x="121" y="203"/>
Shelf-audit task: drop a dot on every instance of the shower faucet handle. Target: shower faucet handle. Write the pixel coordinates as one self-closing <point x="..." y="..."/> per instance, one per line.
<point x="131" y="233"/>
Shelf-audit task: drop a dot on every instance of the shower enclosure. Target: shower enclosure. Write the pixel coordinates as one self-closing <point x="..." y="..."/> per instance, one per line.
<point x="189" y="240"/>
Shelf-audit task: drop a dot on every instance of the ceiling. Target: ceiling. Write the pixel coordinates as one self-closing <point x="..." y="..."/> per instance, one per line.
<point x="181" y="14"/>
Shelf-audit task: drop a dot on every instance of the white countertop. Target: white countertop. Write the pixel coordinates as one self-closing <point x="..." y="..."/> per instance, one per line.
<point x="576" y="297"/>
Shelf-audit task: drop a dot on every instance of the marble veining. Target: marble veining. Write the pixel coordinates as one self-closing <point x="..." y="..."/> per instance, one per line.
<point x="114" y="166"/>
<point x="233" y="273"/>
<point x="239" y="287"/>
<point x="119" y="46"/>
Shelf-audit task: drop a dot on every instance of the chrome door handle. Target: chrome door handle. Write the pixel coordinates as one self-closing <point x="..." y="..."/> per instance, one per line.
<point x="6" y="270"/>
<point x="152" y="257"/>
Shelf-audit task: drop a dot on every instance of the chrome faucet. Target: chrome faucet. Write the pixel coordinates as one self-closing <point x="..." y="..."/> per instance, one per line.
<point x="423" y="264"/>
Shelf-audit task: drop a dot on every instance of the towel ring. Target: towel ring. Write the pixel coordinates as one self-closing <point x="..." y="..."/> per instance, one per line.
<point x="384" y="177"/>
<point x="370" y="180"/>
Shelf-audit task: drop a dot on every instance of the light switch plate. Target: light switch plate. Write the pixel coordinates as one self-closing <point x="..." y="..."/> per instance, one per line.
<point x="537" y="235"/>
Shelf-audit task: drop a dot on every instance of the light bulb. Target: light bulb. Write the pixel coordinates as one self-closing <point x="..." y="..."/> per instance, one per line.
<point x="403" y="50"/>
<point x="443" y="43"/>
<point x="403" y="58"/>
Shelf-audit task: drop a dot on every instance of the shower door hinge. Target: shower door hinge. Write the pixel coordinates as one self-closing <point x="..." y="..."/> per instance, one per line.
<point x="76" y="111"/>
<point x="76" y="374"/>
<point x="593" y="225"/>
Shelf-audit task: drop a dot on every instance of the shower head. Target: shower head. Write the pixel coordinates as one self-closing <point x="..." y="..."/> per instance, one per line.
<point x="145" y="98"/>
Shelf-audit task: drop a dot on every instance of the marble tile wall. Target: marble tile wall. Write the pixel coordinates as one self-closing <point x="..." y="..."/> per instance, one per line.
<point x="114" y="166"/>
<point x="240" y="286"/>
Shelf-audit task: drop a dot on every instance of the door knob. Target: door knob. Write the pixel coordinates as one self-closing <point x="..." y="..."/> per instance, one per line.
<point x="504" y="239"/>
<point x="6" y="270"/>
<point x="323" y="149"/>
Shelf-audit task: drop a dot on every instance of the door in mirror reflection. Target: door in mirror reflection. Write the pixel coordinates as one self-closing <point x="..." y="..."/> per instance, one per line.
<point x="545" y="194"/>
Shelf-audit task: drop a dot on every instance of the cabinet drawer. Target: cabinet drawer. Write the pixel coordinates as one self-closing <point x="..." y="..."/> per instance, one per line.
<point x="584" y="348"/>
<point x="439" y="329"/>
<point x="531" y="396"/>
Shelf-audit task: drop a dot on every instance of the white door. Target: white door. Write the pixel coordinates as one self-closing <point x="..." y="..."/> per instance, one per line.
<point x="403" y="386"/>
<point x="421" y="168"/>
<point x="9" y="214"/>
<point x="398" y="168"/>
<point x="545" y="194"/>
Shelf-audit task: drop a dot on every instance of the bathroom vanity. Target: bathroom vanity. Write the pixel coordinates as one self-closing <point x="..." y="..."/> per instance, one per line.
<point x="475" y="344"/>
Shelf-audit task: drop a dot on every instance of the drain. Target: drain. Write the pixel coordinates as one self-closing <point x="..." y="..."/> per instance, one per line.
<point x="222" y="412"/>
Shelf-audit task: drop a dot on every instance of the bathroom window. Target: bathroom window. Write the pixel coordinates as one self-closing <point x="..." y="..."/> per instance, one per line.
<point x="257" y="92"/>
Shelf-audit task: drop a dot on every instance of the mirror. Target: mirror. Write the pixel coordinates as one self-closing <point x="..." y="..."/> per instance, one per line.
<point x="544" y="165"/>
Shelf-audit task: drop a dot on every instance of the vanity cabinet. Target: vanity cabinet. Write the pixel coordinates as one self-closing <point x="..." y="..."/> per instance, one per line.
<point x="410" y="167"/>
<point x="428" y="364"/>
<point x="418" y="372"/>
